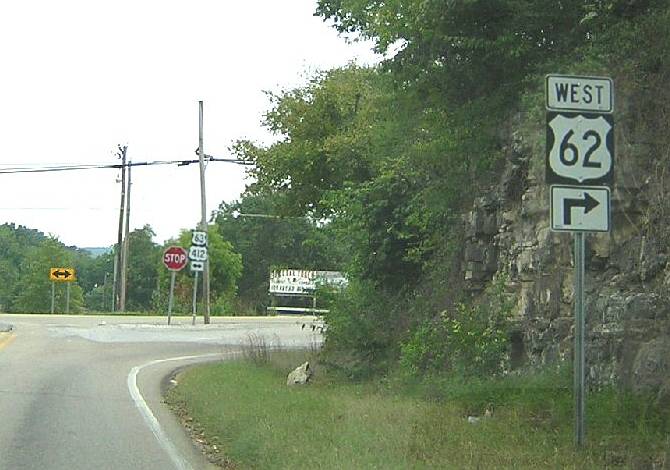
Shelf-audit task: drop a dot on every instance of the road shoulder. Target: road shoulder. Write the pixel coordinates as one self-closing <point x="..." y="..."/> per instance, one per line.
<point x="6" y="338"/>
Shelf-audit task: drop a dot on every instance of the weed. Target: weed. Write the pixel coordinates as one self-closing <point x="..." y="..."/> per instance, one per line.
<point x="256" y="349"/>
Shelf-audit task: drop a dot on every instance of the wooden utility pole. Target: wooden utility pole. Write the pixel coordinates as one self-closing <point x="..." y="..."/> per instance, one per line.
<point x="203" y="213"/>
<point x="114" y="280"/>
<point x="119" y="242"/>
<point x="126" y="244"/>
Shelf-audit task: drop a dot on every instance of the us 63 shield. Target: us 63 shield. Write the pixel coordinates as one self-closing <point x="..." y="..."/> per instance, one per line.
<point x="580" y="148"/>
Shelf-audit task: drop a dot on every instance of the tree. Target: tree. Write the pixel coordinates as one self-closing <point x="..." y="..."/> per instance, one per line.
<point x="25" y="258"/>
<point x="465" y="50"/>
<point x="144" y="262"/>
<point x="324" y="137"/>
<point x="34" y="287"/>
<point x="267" y="240"/>
<point x="225" y="267"/>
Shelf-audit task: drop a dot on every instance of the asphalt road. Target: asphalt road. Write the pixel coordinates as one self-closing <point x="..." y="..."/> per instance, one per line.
<point x="83" y="392"/>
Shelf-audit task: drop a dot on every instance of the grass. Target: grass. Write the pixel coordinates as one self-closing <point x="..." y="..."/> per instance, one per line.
<point x="248" y="412"/>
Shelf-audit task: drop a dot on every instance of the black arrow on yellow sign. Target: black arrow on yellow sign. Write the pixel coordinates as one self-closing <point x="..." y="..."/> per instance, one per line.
<point x="62" y="274"/>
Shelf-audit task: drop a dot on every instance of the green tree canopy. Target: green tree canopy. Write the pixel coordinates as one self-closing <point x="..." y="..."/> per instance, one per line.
<point x="225" y="268"/>
<point x="34" y="287"/>
<point x="144" y="261"/>
<point x="266" y="240"/>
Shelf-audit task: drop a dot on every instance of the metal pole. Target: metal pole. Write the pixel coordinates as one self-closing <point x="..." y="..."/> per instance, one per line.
<point x="203" y="211"/>
<point x="67" y="297"/>
<point x="119" y="242"/>
<point x="126" y="243"/>
<point x="104" y="292"/>
<point x="53" y="296"/>
<point x="195" y="292"/>
<point x="172" y="276"/>
<point x="580" y="362"/>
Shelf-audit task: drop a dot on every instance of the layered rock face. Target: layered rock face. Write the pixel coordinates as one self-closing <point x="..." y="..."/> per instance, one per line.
<point x="627" y="270"/>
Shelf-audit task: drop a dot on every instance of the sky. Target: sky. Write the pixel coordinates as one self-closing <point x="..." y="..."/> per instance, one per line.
<point x="78" y="78"/>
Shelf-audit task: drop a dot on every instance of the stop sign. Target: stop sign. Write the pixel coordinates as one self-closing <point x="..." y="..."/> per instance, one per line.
<point x="175" y="258"/>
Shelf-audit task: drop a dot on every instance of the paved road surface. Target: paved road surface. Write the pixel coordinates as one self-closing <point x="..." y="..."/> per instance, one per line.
<point x="83" y="392"/>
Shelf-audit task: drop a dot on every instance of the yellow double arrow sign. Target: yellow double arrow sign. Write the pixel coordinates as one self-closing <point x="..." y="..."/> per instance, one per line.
<point x="62" y="274"/>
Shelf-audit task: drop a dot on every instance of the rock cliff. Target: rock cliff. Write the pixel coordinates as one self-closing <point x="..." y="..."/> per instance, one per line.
<point x="627" y="270"/>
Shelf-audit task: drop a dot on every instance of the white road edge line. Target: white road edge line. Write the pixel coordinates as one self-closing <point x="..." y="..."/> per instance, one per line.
<point x="149" y="418"/>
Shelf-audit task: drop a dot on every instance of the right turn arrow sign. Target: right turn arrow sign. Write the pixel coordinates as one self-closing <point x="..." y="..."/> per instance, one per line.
<point x="587" y="203"/>
<point x="580" y="209"/>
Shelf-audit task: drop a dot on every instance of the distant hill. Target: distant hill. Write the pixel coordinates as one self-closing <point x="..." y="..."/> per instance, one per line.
<point x="97" y="251"/>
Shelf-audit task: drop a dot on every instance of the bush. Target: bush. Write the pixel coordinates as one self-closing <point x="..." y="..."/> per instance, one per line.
<point x="363" y="330"/>
<point x="466" y="340"/>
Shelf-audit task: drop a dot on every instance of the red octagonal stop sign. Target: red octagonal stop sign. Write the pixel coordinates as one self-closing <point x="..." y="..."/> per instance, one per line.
<point x="175" y="258"/>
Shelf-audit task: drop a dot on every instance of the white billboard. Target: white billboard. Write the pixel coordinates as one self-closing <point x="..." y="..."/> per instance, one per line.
<point x="302" y="281"/>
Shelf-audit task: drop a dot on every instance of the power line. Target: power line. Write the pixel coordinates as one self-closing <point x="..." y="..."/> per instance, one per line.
<point x="116" y="166"/>
<point x="57" y="208"/>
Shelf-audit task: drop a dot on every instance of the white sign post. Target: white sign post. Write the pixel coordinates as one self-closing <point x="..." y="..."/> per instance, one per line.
<point x="580" y="168"/>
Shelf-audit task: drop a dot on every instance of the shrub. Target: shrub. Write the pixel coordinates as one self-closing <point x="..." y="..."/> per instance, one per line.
<point x="364" y="324"/>
<point x="467" y="340"/>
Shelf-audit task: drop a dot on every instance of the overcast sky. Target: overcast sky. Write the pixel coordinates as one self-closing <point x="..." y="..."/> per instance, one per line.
<point x="80" y="77"/>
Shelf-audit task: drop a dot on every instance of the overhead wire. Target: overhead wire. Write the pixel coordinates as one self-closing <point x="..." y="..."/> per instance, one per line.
<point x="98" y="166"/>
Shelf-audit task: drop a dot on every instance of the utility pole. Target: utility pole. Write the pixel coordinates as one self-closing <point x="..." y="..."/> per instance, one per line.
<point x="114" y="281"/>
<point x="126" y="244"/>
<point x="203" y="209"/>
<point x="119" y="250"/>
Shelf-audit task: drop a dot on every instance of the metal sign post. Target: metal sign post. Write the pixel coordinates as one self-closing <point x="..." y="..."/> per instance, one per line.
<point x="53" y="296"/>
<point x="67" y="298"/>
<point x="197" y="255"/>
<point x="173" y="274"/>
<point x="174" y="258"/>
<point x="580" y="168"/>
<point x="195" y="292"/>
<point x="66" y="275"/>
<point x="580" y="356"/>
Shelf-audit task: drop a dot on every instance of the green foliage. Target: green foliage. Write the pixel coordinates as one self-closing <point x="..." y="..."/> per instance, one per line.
<point x="99" y="299"/>
<point x="26" y="255"/>
<point x="266" y="241"/>
<point x="225" y="267"/>
<point x="390" y="169"/>
<point x="363" y="326"/>
<point x="14" y="243"/>
<point x="463" y="50"/>
<point x="325" y="137"/>
<point x="34" y="287"/>
<point x="465" y="340"/>
<point x="144" y="261"/>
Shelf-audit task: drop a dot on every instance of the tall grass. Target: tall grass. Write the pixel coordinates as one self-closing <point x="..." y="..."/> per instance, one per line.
<point x="259" y="422"/>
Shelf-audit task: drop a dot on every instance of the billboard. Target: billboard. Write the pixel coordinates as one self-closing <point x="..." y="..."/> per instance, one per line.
<point x="303" y="282"/>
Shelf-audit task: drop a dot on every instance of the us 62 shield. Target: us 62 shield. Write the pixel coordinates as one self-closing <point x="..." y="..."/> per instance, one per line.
<point x="580" y="148"/>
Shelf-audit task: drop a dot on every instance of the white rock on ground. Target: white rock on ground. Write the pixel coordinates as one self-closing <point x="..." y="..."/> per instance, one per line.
<point x="300" y="375"/>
